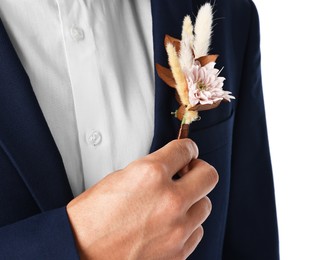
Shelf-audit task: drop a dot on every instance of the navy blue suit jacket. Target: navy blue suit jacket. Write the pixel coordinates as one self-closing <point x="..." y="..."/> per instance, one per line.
<point x="34" y="189"/>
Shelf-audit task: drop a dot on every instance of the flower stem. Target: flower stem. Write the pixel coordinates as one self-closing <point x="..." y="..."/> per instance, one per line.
<point x="184" y="131"/>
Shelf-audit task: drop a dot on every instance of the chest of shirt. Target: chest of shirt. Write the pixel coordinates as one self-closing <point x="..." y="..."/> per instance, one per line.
<point x="91" y="67"/>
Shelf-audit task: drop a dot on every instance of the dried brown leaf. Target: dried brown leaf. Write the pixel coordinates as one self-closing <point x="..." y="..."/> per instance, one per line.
<point x="200" y="107"/>
<point x="166" y="75"/>
<point x="204" y="60"/>
<point x="175" y="42"/>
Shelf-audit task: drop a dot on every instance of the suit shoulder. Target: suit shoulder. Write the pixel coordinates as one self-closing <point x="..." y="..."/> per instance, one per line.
<point x="242" y="7"/>
<point x="244" y="4"/>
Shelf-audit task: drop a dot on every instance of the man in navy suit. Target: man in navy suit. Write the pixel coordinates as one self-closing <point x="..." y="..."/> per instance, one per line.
<point x="153" y="216"/>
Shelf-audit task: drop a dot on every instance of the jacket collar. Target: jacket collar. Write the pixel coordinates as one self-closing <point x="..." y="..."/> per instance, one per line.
<point x="25" y="136"/>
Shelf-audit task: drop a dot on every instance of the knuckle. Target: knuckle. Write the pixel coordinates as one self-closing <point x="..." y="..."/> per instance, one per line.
<point x="211" y="173"/>
<point x="174" y="203"/>
<point x="195" y="240"/>
<point x="207" y="204"/>
<point x="201" y="232"/>
<point x="152" y="168"/>
<point x="182" y="255"/>
<point x="175" y="240"/>
<point x="179" y="236"/>
<point x="151" y="172"/>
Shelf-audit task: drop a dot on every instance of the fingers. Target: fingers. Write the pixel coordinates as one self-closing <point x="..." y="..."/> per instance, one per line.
<point x="197" y="182"/>
<point x="198" y="213"/>
<point x="175" y="155"/>
<point x="192" y="242"/>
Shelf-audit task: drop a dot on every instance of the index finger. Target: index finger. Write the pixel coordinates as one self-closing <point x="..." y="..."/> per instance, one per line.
<point x="175" y="155"/>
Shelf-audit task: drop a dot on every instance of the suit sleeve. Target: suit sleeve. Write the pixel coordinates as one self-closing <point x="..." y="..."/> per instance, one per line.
<point x="44" y="236"/>
<point x="251" y="231"/>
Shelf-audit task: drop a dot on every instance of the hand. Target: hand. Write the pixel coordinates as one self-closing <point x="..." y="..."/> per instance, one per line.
<point x="140" y="212"/>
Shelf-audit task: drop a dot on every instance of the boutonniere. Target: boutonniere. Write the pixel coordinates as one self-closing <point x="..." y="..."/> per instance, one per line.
<point x="192" y="71"/>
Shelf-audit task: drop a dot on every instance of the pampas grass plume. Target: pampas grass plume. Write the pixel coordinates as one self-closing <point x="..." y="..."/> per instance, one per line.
<point x="187" y="39"/>
<point x="203" y="30"/>
<point x="179" y="77"/>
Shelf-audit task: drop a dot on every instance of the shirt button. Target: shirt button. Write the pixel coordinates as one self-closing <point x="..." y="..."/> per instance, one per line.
<point x="77" y="33"/>
<point x="94" y="138"/>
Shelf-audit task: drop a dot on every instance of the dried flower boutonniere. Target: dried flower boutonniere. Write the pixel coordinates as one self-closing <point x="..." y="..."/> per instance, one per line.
<point x="192" y="70"/>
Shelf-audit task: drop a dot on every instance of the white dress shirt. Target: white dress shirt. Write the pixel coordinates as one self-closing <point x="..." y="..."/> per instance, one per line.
<point x="90" y="63"/>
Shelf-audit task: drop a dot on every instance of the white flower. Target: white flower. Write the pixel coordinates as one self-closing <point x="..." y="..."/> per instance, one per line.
<point x="205" y="85"/>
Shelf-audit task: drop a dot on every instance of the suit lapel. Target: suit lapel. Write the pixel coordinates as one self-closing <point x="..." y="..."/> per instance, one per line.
<point x="24" y="134"/>
<point x="167" y="17"/>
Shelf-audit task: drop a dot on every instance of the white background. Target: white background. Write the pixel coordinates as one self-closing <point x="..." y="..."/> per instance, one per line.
<point x="291" y="33"/>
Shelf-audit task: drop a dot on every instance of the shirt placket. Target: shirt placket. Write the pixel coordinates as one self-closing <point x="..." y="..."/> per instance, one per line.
<point x="91" y="117"/>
